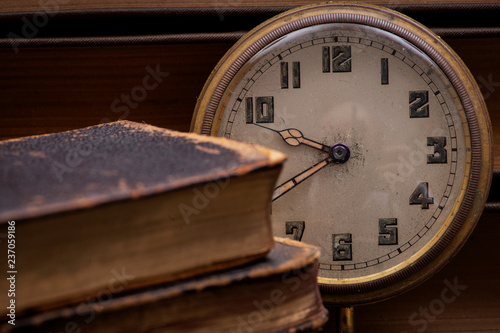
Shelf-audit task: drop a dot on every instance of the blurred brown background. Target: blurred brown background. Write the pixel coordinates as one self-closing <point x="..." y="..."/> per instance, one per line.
<point x="71" y="65"/>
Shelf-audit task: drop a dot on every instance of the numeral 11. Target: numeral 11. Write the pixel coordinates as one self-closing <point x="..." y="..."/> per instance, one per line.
<point x="295" y="74"/>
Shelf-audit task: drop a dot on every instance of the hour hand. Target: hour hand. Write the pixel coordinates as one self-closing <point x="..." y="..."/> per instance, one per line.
<point x="294" y="137"/>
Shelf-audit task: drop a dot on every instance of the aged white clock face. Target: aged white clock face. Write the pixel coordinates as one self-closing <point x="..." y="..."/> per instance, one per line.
<point x="376" y="139"/>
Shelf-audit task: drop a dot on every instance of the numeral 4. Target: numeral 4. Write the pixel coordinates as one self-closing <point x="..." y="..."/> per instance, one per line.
<point x="421" y="196"/>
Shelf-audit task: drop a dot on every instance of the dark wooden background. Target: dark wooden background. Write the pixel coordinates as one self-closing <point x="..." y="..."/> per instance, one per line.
<point x="70" y="71"/>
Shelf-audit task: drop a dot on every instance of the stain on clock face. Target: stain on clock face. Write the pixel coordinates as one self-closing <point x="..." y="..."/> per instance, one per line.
<point x="375" y="141"/>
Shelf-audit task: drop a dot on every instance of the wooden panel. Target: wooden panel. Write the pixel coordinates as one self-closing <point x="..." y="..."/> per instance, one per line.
<point x="48" y="89"/>
<point x="432" y="306"/>
<point x="37" y="5"/>
<point x="481" y="56"/>
<point x="495" y="120"/>
<point x="44" y="90"/>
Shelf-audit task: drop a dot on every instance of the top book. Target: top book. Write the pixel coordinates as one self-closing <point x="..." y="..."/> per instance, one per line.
<point x="88" y="207"/>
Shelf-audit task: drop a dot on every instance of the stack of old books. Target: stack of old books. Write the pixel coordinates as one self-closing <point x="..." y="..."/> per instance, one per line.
<point x="126" y="227"/>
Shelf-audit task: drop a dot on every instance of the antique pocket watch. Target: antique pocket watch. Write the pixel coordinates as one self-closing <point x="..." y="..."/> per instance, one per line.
<point x="387" y="137"/>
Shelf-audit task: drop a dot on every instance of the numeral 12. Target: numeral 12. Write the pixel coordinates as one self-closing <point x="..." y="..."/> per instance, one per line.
<point x="340" y="59"/>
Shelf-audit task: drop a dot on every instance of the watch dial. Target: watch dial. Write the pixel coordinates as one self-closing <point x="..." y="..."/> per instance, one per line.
<point x="376" y="142"/>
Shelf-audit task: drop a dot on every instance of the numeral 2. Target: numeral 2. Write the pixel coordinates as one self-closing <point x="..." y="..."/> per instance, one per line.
<point x="295" y="228"/>
<point x="419" y="104"/>
<point x="264" y="109"/>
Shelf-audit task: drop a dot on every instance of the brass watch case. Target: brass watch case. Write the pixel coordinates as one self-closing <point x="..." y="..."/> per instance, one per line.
<point x="479" y="163"/>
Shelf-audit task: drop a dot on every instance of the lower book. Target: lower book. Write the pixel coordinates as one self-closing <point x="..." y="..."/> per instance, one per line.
<point x="276" y="294"/>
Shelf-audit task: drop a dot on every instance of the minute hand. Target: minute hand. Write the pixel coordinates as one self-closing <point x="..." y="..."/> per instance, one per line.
<point x="296" y="180"/>
<point x="294" y="137"/>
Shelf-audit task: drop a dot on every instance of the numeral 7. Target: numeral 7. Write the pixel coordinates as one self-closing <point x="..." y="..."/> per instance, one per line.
<point x="295" y="228"/>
